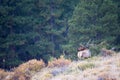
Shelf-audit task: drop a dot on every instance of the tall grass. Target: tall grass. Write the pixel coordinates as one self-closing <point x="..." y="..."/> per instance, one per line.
<point x="60" y="62"/>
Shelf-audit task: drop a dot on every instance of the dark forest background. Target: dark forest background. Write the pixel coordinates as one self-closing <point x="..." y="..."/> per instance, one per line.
<point x="43" y="29"/>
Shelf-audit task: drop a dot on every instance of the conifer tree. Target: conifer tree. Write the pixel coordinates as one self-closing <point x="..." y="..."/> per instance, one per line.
<point x="93" y="20"/>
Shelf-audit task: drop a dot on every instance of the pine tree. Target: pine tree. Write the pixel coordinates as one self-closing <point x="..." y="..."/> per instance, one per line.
<point x="32" y="29"/>
<point x="93" y="20"/>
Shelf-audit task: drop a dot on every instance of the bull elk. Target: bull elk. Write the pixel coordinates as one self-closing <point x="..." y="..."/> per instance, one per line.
<point x="83" y="52"/>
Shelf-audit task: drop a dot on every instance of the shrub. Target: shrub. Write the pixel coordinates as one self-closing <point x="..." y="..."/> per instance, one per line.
<point x="21" y="75"/>
<point x="32" y="65"/>
<point x="3" y="74"/>
<point x="23" y="72"/>
<point x="95" y="49"/>
<point x="59" y="62"/>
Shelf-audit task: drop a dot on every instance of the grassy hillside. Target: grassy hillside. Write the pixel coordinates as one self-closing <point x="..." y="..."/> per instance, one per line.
<point x="95" y="68"/>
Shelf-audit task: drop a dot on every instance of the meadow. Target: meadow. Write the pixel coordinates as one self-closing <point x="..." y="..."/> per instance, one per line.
<point x="94" y="68"/>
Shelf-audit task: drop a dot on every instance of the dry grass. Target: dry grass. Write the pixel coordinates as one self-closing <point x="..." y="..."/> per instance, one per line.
<point x="4" y="75"/>
<point x="95" y="68"/>
<point x="23" y="72"/>
<point x="32" y="65"/>
<point x="59" y="62"/>
<point x="85" y="66"/>
<point x="118" y="64"/>
<point x="106" y="76"/>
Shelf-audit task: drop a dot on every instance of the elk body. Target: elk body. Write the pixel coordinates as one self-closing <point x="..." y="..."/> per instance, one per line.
<point x="83" y="52"/>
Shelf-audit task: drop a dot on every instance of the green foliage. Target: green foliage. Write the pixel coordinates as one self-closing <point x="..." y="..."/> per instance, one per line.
<point x="32" y="29"/>
<point x="95" y="49"/>
<point x="95" y="20"/>
<point x="43" y="29"/>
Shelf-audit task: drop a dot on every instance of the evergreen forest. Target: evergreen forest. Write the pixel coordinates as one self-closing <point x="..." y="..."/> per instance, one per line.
<point x="43" y="29"/>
